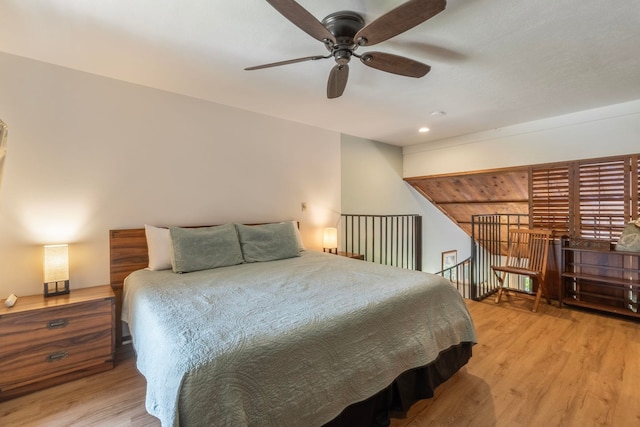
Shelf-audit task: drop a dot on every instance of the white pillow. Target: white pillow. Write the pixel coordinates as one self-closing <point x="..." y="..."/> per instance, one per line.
<point x="159" y="247"/>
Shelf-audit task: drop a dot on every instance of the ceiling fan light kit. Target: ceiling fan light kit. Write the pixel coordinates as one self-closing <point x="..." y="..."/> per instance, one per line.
<point x="345" y="31"/>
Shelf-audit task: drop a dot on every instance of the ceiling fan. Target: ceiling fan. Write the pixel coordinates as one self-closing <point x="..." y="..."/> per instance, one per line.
<point x="344" y="32"/>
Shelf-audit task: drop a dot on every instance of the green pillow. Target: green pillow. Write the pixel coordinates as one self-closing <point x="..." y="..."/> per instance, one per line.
<point x="204" y="248"/>
<point x="268" y="242"/>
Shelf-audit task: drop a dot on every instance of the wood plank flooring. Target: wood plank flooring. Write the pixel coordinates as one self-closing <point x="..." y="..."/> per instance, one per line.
<point x="559" y="367"/>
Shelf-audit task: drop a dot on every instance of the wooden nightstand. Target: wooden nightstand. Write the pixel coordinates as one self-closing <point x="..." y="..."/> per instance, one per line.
<point x="48" y="341"/>
<point x="352" y="255"/>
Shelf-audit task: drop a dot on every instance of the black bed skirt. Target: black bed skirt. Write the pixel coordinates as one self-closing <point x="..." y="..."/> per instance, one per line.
<point x="408" y="388"/>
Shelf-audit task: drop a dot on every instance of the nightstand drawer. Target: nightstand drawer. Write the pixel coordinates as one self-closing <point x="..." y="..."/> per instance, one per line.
<point x="23" y="331"/>
<point x="52" y="358"/>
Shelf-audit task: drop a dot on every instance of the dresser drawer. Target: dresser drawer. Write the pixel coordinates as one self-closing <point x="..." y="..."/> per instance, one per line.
<point x="23" y="331"/>
<point x="43" y="360"/>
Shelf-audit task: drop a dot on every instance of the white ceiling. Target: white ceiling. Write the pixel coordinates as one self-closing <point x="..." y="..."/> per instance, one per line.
<point x="494" y="62"/>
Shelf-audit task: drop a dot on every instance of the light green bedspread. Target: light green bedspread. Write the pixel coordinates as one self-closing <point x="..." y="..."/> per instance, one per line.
<point x="284" y="343"/>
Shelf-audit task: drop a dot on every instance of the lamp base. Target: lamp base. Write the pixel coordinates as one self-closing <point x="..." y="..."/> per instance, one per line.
<point x="52" y="289"/>
<point x="330" y="250"/>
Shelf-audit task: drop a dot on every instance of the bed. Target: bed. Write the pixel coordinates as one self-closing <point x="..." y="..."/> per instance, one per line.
<point x="308" y="339"/>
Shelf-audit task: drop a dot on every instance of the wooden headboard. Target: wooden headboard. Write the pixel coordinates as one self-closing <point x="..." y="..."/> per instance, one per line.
<point x="127" y="253"/>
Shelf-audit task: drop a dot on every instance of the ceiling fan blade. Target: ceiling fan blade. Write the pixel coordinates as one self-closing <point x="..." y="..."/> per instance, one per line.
<point x="304" y="20"/>
<point x="290" y="61"/>
<point x="399" y="20"/>
<point x="337" y="81"/>
<point x="395" y="64"/>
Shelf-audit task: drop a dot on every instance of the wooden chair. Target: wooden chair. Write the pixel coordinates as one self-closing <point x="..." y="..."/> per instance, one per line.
<point x="527" y="255"/>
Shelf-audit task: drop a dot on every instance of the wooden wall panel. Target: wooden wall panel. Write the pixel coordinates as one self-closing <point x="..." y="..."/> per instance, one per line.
<point x="461" y="196"/>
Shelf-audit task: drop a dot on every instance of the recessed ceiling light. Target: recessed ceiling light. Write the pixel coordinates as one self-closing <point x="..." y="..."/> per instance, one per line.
<point x="423" y="130"/>
<point x="438" y="113"/>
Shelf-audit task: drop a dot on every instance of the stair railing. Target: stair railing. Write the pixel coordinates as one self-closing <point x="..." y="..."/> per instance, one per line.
<point x="385" y="239"/>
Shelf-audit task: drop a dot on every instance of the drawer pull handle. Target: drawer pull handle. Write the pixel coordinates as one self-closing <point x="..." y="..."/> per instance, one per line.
<point x="54" y="357"/>
<point x="59" y="323"/>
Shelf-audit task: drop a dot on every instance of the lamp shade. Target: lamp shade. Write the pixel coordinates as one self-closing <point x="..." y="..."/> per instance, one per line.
<point x="330" y="238"/>
<point x="56" y="263"/>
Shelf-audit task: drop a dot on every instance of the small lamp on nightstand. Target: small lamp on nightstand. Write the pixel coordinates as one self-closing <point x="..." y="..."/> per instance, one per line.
<point x="330" y="240"/>
<point x="56" y="270"/>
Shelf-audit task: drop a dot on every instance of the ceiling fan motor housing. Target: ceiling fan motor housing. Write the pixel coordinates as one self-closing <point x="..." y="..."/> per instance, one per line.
<point x="343" y="25"/>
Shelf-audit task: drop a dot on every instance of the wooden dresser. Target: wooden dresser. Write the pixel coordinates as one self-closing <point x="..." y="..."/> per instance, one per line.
<point x="48" y="341"/>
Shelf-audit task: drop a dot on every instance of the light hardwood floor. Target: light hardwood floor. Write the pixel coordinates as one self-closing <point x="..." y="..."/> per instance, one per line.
<point x="554" y="368"/>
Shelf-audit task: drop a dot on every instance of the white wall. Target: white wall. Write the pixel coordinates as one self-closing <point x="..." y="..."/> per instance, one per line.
<point x="87" y="154"/>
<point x="372" y="179"/>
<point x="601" y="132"/>
<point x="372" y="184"/>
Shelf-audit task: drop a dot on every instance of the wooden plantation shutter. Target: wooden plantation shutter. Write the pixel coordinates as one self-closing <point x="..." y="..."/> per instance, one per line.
<point x="589" y="198"/>
<point x="603" y="198"/>
<point x="549" y="205"/>
<point x="635" y="186"/>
